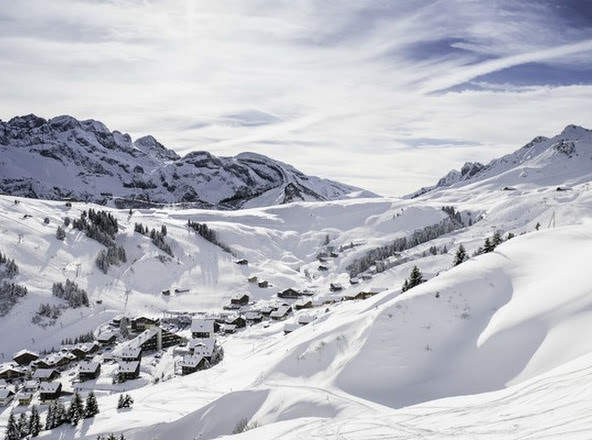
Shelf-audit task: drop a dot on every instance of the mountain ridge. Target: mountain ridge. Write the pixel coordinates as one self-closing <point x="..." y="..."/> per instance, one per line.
<point x="65" y="158"/>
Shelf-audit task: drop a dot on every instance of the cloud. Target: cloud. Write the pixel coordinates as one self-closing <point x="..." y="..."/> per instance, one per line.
<point x="384" y="95"/>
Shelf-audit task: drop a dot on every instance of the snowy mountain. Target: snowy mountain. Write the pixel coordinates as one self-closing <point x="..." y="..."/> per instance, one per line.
<point x="562" y="160"/>
<point x="63" y="158"/>
<point x="490" y="348"/>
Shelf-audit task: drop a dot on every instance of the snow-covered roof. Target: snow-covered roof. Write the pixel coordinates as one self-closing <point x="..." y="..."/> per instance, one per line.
<point x="24" y="351"/>
<point x="281" y="311"/>
<point x="191" y="361"/>
<point x="43" y="373"/>
<point x="203" y="347"/>
<point x="288" y="328"/>
<point x="199" y="325"/>
<point x="250" y="316"/>
<point x="128" y="367"/>
<point x="130" y="352"/>
<point x="306" y="319"/>
<point x="103" y="337"/>
<point x="49" y="387"/>
<point x="229" y="327"/>
<point x="4" y="393"/>
<point x="88" y="367"/>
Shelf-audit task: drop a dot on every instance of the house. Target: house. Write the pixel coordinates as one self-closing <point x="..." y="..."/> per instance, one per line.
<point x="130" y="354"/>
<point x="207" y="348"/>
<point x="128" y="371"/>
<point x="370" y="292"/>
<point x="263" y="284"/>
<point x="89" y="370"/>
<point x="50" y="391"/>
<point x="229" y="328"/>
<point x="303" y="304"/>
<point x="156" y="339"/>
<point x="335" y="287"/>
<point x="354" y="280"/>
<point x="191" y="364"/>
<point x="25" y="398"/>
<point x="142" y="323"/>
<point x="31" y="386"/>
<point x="202" y="328"/>
<point x="289" y="328"/>
<point x="253" y="317"/>
<point x="238" y="322"/>
<point x="289" y="294"/>
<point x="252" y="279"/>
<point x="79" y="352"/>
<point x="46" y="375"/>
<point x="242" y="262"/>
<point x="6" y="397"/>
<point x="11" y="373"/>
<point x="281" y="313"/>
<point x="42" y="363"/>
<point x="25" y="357"/>
<point x="267" y="310"/>
<point x="354" y="296"/>
<point x="107" y="338"/>
<point x="305" y="319"/>
<point x="240" y="299"/>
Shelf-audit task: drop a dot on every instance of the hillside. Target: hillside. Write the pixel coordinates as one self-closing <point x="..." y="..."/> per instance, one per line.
<point x="63" y="158"/>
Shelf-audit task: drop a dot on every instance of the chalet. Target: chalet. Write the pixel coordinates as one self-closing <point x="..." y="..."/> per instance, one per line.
<point x="307" y="292"/>
<point x="263" y="284"/>
<point x="370" y="292"/>
<point x="366" y="276"/>
<point x="202" y="328"/>
<point x="11" y="373"/>
<point x="25" y="398"/>
<point x="130" y="354"/>
<point x="242" y="262"/>
<point x="354" y="296"/>
<point x="128" y="371"/>
<point x="6" y="397"/>
<point x="289" y="294"/>
<point x="354" y="280"/>
<point x="31" y="386"/>
<point x="50" y="391"/>
<point x="89" y="370"/>
<point x="281" y="313"/>
<point x="42" y="363"/>
<point x="252" y="279"/>
<point x="303" y="304"/>
<point x="229" y="328"/>
<point x="305" y="319"/>
<point x="207" y="348"/>
<point x="289" y="328"/>
<point x="107" y="338"/>
<point x="25" y="357"/>
<point x="335" y="287"/>
<point x="142" y="323"/>
<point x="79" y="352"/>
<point x="240" y="299"/>
<point x="238" y="322"/>
<point x="267" y="310"/>
<point x="46" y="375"/>
<point x="191" y="364"/>
<point x="253" y="317"/>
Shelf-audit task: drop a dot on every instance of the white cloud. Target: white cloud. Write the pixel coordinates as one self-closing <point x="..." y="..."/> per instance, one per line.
<point x="338" y="89"/>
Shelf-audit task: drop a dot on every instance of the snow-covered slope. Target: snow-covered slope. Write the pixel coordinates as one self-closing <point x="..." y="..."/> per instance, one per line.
<point x="65" y="158"/>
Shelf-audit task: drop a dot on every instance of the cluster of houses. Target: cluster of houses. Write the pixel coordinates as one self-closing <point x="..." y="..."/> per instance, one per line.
<point x="203" y="349"/>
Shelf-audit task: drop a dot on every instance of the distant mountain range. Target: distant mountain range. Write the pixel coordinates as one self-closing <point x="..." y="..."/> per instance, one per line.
<point x="64" y="158"/>
<point x="565" y="159"/>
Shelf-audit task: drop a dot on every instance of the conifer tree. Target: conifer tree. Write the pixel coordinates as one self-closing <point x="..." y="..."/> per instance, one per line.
<point x="34" y="422"/>
<point x="76" y="410"/>
<point x="497" y="239"/>
<point x="60" y="233"/>
<point x="23" y="424"/>
<point x="460" y="256"/>
<point x="415" y="279"/>
<point x="12" y="429"/>
<point x="488" y="246"/>
<point x="50" y="416"/>
<point x="92" y="407"/>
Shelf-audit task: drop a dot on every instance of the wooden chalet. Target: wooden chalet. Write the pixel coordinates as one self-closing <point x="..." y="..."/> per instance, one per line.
<point x="335" y="287"/>
<point x="371" y="292"/>
<point x="267" y="310"/>
<point x="238" y="321"/>
<point x="128" y="371"/>
<point x="45" y="375"/>
<point x="303" y="304"/>
<point x="202" y="328"/>
<point x="107" y="338"/>
<point x="241" y="299"/>
<point x="253" y="317"/>
<point x="11" y="373"/>
<point x="354" y="296"/>
<point x="89" y="370"/>
<point x="263" y="284"/>
<point x="289" y="328"/>
<point x="305" y="319"/>
<point x="50" y="391"/>
<point x="207" y="348"/>
<point x="142" y="323"/>
<point x="6" y="396"/>
<point x="25" y="357"/>
<point x="354" y="280"/>
<point x="24" y="398"/>
<point x="289" y="294"/>
<point x="229" y="328"/>
<point x="191" y="364"/>
<point x="281" y="313"/>
<point x="130" y="354"/>
<point x="31" y="386"/>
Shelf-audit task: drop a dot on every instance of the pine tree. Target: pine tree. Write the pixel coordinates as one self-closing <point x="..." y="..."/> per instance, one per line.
<point x="76" y="410"/>
<point x="12" y="429"/>
<point x="120" y="401"/>
<point x="537" y="226"/>
<point x="60" y="233"/>
<point x="23" y="425"/>
<point x="61" y="415"/>
<point x="50" y="416"/>
<point x="125" y="401"/>
<point x="497" y="239"/>
<point x="92" y="407"/>
<point x="34" y="422"/>
<point x="405" y="287"/>
<point x="488" y="246"/>
<point x="460" y="256"/>
<point x="415" y="278"/>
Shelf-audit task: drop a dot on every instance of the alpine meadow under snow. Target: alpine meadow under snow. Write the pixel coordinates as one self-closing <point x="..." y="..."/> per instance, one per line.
<point x="494" y="347"/>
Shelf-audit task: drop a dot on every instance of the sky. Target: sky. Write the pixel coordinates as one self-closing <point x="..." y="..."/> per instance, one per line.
<point x="387" y="95"/>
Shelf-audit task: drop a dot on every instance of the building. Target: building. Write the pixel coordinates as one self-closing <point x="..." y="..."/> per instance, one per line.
<point x="303" y="304"/>
<point x="335" y="287"/>
<point x="252" y="279"/>
<point x="242" y="262"/>
<point x="289" y="294"/>
<point x="49" y="391"/>
<point x="240" y="299"/>
<point x="25" y="357"/>
<point x="6" y="396"/>
<point x="128" y="371"/>
<point x="229" y="328"/>
<point x="267" y="310"/>
<point x="206" y="348"/>
<point x="107" y="338"/>
<point x="155" y="339"/>
<point x="25" y="398"/>
<point x="142" y="323"/>
<point x="11" y="373"/>
<point x="202" y="328"/>
<point x="253" y="317"/>
<point x="45" y="375"/>
<point x="130" y="354"/>
<point x="289" y="328"/>
<point x="263" y="284"/>
<point x="238" y="322"/>
<point x="31" y="386"/>
<point x="89" y="370"/>
<point x="191" y="364"/>
<point x="281" y="313"/>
